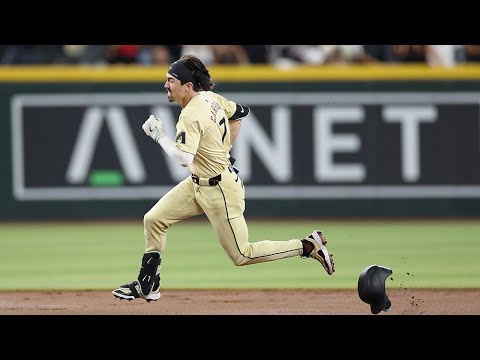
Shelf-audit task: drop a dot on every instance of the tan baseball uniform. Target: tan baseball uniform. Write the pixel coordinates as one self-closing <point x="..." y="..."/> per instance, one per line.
<point x="214" y="188"/>
<point x="207" y="126"/>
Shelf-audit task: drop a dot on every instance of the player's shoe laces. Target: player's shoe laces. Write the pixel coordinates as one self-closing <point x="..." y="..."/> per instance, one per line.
<point x="133" y="290"/>
<point x="315" y="246"/>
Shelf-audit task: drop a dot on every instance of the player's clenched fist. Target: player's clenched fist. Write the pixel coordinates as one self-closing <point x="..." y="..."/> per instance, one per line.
<point x="153" y="127"/>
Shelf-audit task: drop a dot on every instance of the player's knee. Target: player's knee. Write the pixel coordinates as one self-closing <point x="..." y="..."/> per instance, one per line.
<point x="239" y="260"/>
<point x="243" y="256"/>
<point x="149" y="220"/>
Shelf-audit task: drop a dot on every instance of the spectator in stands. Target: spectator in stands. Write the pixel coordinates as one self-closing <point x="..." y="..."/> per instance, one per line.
<point x="443" y="55"/>
<point x="122" y="54"/>
<point x="319" y="54"/>
<point x="3" y="51"/>
<point x="31" y="54"/>
<point x="472" y="53"/>
<point x="229" y="54"/>
<point x="258" y="54"/>
<point x="155" y="55"/>
<point x="435" y="55"/>
<point x="286" y="55"/>
<point x="82" y="54"/>
<point x="346" y="54"/>
<point x="409" y="53"/>
<point x="382" y="53"/>
<point x="175" y="51"/>
<point x="204" y="52"/>
<point x="161" y="55"/>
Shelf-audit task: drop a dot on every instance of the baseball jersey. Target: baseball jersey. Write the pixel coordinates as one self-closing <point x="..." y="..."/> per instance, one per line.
<point x="203" y="130"/>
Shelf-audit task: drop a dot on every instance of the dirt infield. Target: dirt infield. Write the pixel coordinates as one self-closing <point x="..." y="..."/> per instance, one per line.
<point x="240" y="302"/>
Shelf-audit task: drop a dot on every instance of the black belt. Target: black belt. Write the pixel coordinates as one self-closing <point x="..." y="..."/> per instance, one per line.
<point x="206" y="181"/>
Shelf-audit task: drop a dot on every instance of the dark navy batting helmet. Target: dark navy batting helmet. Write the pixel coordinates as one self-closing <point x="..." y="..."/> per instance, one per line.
<point x="371" y="288"/>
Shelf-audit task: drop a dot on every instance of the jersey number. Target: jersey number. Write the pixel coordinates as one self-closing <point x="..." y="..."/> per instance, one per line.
<point x="224" y="123"/>
<point x="180" y="138"/>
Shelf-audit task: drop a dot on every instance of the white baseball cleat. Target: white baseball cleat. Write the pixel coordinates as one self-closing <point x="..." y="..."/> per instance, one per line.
<point x="133" y="290"/>
<point x="320" y="252"/>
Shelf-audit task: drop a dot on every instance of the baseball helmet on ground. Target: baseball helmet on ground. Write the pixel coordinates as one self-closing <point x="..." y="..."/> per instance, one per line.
<point x="371" y="287"/>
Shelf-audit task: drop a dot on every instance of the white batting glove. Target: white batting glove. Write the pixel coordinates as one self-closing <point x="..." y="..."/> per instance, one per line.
<point x="153" y="127"/>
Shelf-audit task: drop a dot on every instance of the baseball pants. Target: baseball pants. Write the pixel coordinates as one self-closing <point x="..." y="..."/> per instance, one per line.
<point x="224" y="205"/>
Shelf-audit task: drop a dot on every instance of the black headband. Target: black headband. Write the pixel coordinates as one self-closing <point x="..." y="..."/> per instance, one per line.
<point x="181" y="72"/>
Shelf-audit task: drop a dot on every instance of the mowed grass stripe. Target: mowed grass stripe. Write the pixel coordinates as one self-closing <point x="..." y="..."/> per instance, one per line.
<point x="96" y="255"/>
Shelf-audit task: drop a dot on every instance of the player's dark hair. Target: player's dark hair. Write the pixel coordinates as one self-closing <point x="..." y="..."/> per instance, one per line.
<point x="200" y="73"/>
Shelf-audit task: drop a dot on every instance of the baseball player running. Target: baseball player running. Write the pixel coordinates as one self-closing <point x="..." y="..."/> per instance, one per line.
<point x="206" y="129"/>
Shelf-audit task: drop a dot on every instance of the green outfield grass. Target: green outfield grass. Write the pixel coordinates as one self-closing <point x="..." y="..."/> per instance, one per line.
<point x="62" y="256"/>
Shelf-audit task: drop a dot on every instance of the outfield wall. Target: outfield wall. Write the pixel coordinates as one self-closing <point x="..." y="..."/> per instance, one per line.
<point x="320" y="141"/>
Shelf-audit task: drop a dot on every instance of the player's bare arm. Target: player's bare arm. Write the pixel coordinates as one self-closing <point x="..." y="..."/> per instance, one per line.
<point x="234" y="129"/>
<point x="235" y="121"/>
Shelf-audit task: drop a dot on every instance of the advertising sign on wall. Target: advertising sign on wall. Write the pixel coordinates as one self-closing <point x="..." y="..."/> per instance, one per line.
<point x="311" y="145"/>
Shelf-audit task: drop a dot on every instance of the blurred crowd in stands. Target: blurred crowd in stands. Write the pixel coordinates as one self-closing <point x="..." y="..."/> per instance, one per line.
<point x="281" y="55"/>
